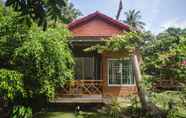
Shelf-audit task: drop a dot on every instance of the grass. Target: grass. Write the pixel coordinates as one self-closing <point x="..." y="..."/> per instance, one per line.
<point x="68" y="111"/>
<point x="56" y="115"/>
<point x="71" y="115"/>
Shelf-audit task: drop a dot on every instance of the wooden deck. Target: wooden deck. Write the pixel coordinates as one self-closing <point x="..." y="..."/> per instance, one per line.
<point x="81" y="99"/>
<point x="124" y="101"/>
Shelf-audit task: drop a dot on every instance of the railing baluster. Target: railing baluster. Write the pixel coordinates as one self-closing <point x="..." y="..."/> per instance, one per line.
<point x="84" y="87"/>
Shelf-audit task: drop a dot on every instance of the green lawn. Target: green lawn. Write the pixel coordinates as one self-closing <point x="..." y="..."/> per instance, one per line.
<point x="57" y="115"/>
<point x="70" y="115"/>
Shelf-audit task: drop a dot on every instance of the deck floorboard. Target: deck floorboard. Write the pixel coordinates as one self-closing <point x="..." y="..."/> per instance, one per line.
<point x="84" y="99"/>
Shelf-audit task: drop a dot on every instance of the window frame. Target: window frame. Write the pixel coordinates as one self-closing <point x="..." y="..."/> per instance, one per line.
<point x="108" y="75"/>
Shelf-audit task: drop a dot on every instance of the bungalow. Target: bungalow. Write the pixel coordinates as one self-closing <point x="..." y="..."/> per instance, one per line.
<point x="97" y="75"/>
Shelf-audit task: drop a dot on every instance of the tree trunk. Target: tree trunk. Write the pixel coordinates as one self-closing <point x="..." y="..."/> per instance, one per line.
<point x="138" y="79"/>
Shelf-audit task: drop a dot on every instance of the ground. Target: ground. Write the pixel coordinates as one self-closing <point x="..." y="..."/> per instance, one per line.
<point x="161" y="99"/>
<point x="69" y="111"/>
<point x="71" y="115"/>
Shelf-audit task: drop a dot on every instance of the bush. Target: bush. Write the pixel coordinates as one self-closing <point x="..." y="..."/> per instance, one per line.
<point x="113" y="109"/>
<point x="45" y="60"/>
<point x="21" y="112"/>
<point x="33" y="62"/>
<point x="11" y="84"/>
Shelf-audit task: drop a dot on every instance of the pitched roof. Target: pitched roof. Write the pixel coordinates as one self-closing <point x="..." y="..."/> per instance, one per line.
<point x="97" y="14"/>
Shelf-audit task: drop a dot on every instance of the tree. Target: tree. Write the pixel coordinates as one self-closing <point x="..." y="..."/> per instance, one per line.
<point x="133" y="18"/>
<point x="163" y="55"/>
<point x="40" y="11"/>
<point x="70" y="13"/>
<point x="37" y="10"/>
<point x="165" y="58"/>
<point x="12" y="35"/>
<point x="33" y="62"/>
<point x="45" y="60"/>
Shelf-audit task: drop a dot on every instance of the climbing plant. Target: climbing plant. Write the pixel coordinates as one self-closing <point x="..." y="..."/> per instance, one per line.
<point x="128" y="41"/>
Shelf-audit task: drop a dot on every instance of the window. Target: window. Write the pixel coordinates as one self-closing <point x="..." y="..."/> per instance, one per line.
<point x="86" y="68"/>
<point x="120" y="72"/>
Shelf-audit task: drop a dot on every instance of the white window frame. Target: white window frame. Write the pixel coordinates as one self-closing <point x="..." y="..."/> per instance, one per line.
<point x="116" y="85"/>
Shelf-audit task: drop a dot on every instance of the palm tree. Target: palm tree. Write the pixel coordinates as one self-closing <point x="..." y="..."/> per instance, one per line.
<point x="69" y="13"/>
<point x="133" y="18"/>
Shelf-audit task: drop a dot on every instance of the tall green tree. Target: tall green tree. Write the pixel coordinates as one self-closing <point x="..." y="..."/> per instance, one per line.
<point x="42" y="11"/>
<point x="163" y="55"/>
<point x="70" y="13"/>
<point x="12" y="35"/>
<point x="133" y="19"/>
<point x="37" y="10"/>
<point x="33" y="62"/>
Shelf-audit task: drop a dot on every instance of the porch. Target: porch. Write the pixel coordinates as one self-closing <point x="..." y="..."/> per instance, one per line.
<point x="81" y="91"/>
<point x="98" y="77"/>
<point x="78" y="88"/>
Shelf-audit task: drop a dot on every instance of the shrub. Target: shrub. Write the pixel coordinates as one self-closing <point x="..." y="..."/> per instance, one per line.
<point x="21" y="112"/>
<point x="11" y="84"/>
<point x="114" y="109"/>
<point x="45" y="60"/>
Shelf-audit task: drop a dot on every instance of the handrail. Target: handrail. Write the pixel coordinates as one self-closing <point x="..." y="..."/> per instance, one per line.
<point x="82" y="87"/>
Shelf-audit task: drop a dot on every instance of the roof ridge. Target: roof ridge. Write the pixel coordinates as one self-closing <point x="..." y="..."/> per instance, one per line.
<point x="94" y="14"/>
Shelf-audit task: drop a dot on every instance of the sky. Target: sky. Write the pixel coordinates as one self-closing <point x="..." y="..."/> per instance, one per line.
<point x="157" y="14"/>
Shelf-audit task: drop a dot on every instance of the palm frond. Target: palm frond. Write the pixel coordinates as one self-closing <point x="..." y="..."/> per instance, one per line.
<point x="133" y="19"/>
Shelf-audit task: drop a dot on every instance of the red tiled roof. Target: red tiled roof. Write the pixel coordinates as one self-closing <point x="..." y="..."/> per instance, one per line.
<point x="100" y="15"/>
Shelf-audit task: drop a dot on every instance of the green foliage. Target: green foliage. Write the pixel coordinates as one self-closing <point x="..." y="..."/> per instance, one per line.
<point x="45" y="60"/>
<point x="133" y="19"/>
<point x="11" y="84"/>
<point x="164" y="56"/>
<point x="174" y="114"/>
<point x="134" y="109"/>
<point x="12" y="35"/>
<point x="183" y="96"/>
<point x="114" y="109"/>
<point x="37" y="10"/>
<point x="69" y="13"/>
<point x="33" y="63"/>
<point x="128" y="41"/>
<point x="21" y="112"/>
<point x="42" y="11"/>
<point x="170" y="101"/>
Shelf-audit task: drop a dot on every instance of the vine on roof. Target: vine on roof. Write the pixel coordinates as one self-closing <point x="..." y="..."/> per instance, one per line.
<point x="126" y="41"/>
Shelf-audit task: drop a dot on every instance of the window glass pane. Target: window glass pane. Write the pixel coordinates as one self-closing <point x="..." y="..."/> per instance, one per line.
<point x="120" y="71"/>
<point x="114" y="72"/>
<point x="127" y="72"/>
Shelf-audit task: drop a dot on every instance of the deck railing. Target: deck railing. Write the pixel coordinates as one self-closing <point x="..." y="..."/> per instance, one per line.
<point x="82" y="87"/>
